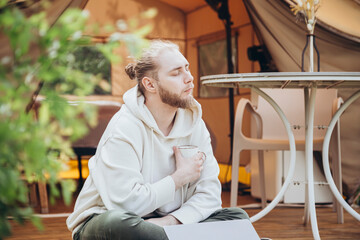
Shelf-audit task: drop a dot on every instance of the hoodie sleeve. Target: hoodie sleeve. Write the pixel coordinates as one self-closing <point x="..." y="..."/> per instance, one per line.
<point x="205" y="193"/>
<point x="118" y="179"/>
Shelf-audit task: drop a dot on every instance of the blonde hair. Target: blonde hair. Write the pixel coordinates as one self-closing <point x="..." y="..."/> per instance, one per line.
<point x="147" y="65"/>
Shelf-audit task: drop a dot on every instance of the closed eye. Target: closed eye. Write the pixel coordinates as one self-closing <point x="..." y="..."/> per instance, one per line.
<point x="175" y="72"/>
<point x="178" y="70"/>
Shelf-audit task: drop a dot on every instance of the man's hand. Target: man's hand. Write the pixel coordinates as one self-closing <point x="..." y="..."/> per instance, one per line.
<point x="187" y="169"/>
<point x="164" y="221"/>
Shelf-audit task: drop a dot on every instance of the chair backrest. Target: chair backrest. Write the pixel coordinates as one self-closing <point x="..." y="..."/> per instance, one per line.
<point x="291" y="101"/>
<point x="106" y="109"/>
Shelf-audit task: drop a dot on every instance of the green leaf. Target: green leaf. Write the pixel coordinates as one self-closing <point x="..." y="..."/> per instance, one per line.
<point x="150" y="13"/>
<point x="44" y="113"/>
<point x="3" y="3"/>
<point x="36" y="221"/>
<point x="68" y="187"/>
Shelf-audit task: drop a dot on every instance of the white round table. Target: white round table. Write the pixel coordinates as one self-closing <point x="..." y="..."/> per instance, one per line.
<point x="309" y="81"/>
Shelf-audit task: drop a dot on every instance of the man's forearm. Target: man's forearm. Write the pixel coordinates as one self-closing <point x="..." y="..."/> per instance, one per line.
<point x="164" y="221"/>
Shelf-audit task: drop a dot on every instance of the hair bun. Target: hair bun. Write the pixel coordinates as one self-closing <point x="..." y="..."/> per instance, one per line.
<point x="130" y="70"/>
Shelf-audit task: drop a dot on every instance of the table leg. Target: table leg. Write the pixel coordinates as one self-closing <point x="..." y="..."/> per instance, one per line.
<point x="291" y="171"/>
<point x="309" y="135"/>
<point x="306" y="206"/>
<point x="326" y="143"/>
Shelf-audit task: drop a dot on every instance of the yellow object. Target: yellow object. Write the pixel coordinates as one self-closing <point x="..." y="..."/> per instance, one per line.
<point x="73" y="171"/>
<point x="225" y="174"/>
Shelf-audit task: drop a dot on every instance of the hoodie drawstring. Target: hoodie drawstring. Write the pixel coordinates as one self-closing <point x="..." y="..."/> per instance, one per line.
<point x="152" y="155"/>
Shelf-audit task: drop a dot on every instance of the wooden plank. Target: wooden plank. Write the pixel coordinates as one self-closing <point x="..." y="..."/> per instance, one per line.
<point x="281" y="223"/>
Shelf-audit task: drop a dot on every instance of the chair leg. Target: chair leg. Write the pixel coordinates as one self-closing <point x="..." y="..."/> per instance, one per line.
<point x="262" y="178"/>
<point x="32" y="195"/>
<point x="234" y="180"/>
<point x="81" y="180"/>
<point x="44" y="204"/>
<point x="335" y="175"/>
<point x="336" y="168"/>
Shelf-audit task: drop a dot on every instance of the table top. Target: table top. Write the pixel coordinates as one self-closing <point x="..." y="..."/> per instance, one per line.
<point x="284" y="80"/>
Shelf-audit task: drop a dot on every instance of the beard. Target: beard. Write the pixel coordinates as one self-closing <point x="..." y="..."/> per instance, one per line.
<point x="174" y="99"/>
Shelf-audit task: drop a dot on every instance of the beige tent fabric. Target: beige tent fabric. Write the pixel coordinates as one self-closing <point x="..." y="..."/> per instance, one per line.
<point x="285" y="37"/>
<point x="338" y="40"/>
<point x="341" y="17"/>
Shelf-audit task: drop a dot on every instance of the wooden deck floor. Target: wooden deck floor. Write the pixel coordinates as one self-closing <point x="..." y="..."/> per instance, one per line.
<point x="281" y="223"/>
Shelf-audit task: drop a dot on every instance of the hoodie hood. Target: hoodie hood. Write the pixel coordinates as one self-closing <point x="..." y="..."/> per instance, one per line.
<point x="185" y="121"/>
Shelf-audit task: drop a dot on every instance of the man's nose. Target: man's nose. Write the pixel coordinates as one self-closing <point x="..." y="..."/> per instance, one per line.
<point x="189" y="77"/>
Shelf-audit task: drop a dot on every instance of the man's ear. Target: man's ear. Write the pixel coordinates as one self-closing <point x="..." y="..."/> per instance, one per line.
<point x="149" y="85"/>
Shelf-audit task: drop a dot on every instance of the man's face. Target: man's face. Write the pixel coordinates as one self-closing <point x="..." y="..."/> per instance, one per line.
<point x="175" y="82"/>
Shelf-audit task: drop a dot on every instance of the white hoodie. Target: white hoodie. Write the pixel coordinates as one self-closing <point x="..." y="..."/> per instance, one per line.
<point x="133" y="163"/>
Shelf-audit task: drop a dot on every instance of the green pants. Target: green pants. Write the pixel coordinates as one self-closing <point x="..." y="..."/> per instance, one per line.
<point x="119" y="224"/>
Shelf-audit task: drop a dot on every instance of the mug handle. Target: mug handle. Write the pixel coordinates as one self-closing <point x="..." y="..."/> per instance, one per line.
<point x="203" y="156"/>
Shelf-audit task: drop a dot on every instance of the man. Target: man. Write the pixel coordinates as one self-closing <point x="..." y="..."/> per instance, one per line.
<point x="139" y="181"/>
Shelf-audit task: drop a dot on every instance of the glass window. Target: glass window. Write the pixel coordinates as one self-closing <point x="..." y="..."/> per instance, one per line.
<point x="213" y="60"/>
<point x="90" y="60"/>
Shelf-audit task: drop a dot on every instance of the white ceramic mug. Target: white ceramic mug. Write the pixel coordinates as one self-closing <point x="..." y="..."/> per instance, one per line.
<point x="188" y="151"/>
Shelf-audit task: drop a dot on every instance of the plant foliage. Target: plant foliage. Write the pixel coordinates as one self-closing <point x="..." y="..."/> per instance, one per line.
<point x="36" y="136"/>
